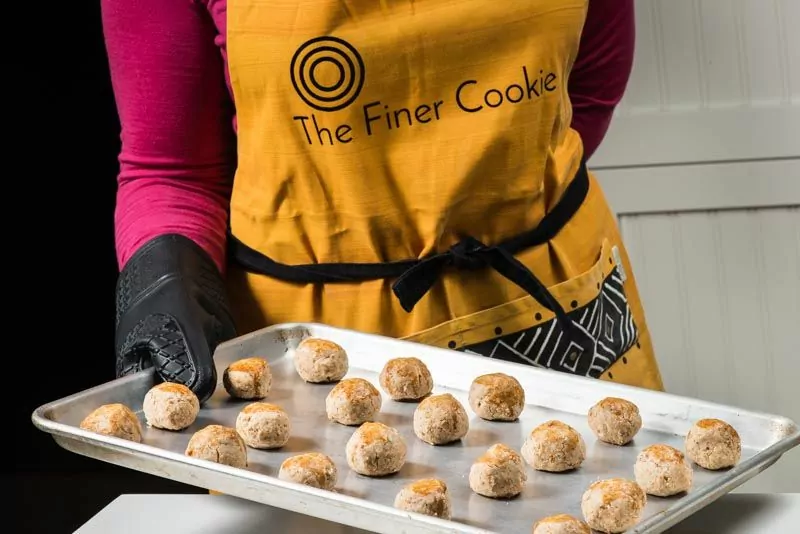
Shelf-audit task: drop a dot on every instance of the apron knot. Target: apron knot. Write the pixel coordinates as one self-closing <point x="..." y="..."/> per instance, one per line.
<point x="415" y="277"/>
<point x="469" y="254"/>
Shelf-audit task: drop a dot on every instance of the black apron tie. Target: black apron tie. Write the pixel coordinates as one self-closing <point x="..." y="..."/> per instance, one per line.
<point x="414" y="278"/>
<point x="470" y="254"/>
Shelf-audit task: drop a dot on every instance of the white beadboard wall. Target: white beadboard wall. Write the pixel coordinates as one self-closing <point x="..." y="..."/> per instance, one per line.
<point x="702" y="166"/>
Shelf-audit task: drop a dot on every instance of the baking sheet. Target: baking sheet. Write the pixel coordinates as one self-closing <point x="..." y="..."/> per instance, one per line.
<point x="366" y="502"/>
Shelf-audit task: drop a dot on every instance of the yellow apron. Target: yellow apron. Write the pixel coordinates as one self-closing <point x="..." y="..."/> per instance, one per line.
<point x="400" y="132"/>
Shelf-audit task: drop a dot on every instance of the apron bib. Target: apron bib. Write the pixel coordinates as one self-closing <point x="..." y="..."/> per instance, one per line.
<point x="407" y="168"/>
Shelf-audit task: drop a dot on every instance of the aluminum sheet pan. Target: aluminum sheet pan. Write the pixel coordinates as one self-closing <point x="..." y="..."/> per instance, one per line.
<point x="367" y="503"/>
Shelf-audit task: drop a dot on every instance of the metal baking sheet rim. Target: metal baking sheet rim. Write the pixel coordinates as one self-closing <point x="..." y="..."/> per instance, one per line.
<point x="337" y="507"/>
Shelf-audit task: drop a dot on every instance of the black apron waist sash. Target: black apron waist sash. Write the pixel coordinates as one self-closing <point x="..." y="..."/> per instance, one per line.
<point x="415" y="277"/>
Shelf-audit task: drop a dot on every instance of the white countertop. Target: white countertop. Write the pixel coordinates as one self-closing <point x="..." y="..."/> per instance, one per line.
<point x="737" y="513"/>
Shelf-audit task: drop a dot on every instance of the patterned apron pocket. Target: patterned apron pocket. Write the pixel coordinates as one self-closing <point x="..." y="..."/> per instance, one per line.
<point x="522" y="331"/>
<point x="605" y="330"/>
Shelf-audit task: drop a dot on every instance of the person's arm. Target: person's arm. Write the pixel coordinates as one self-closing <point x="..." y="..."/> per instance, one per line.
<point x="176" y="165"/>
<point x="602" y="68"/>
<point x="178" y="146"/>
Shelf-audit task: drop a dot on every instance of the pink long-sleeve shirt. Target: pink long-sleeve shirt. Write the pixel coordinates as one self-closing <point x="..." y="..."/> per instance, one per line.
<point x="169" y="72"/>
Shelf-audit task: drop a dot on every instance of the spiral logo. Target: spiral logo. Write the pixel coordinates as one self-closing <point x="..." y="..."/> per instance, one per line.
<point x="327" y="73"/>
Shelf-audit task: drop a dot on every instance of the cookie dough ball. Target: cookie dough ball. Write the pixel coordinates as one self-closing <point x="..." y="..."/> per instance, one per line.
<point x="353" y="401"/>
<point x="555" y="447"/>
<point x="613" y="505"/>
<point x="662" y="471"/>
<point x="498" y="473"/>
<point x="312" y="469"/>
<point x="376" y="450"/>
<point x="248" y="379"/>
<point x="497" y="397"/>
<point x="561" y="524"/>
<point x="713" y="444"/>
<point x="263" y="426"/>
<point x="440" y="419"/>
<point x="219" y="444"/>
<point x="115" y="420"/>
<point x="170" y="406"/>
<point x="428" y="496"/>
<point x="320" y="361"/>
<point x="615" y="421"/>
<point x="406" y="379"/>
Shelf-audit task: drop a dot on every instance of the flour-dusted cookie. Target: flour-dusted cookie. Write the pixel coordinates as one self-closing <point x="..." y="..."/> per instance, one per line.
<point x="376" y="450"/>
<point x="311" y="469"/>
<point x="440" y="419"/>
<point x="170" y="406"/>
<point x="429" y="496"/>
<point x="320" y="361"/>
<point x="561" y="524"/>
<point x="713" y="444"/>
<point x="406" y="379"/>
<point x="554" y="446"/>
<point x="663" y="471"/>
<point x="219" y="444"/>
<point x="613" y="505"/>
<point x="353" y="401"/>
<point x="248" y="379"/>
<point x="615" y="421"/>
<point x="115" y="420"/>
<point x="263" y="426"/>
<point x="497" y="397"/>
<point x="498" y="473"/>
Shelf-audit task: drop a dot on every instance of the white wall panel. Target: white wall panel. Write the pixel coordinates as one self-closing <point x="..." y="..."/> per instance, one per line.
<point x="706" y="186"/>
<point x="790" y="12"/>
<point x="721" y="292"/>
<point x="702" y="166"/>
<point x="726" y="70"/>
<point x="723" y="79"/>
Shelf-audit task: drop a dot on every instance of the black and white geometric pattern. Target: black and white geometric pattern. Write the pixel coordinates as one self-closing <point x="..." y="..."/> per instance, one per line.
<point x="604" y="331"/>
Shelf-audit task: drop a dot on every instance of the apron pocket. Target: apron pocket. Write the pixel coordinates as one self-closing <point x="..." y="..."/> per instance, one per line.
<point x="523" y="331"/>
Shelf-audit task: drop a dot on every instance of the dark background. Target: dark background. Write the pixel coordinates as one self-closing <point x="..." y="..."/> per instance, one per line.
<point x="64" y="320"/>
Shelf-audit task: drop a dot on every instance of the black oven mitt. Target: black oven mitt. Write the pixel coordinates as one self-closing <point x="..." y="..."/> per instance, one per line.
<point x="172" y="313"/>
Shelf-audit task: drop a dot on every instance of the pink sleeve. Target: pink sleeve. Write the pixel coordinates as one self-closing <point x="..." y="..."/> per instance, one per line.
<point x="178" y="145"/>
<point x="602" y="68"/>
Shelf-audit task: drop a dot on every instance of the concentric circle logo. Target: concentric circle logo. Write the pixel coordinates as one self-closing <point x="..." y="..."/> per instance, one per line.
<point x="327" y="73"/>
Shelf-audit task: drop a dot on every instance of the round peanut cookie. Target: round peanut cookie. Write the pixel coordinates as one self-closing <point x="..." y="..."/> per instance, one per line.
<point x="376" y="450"/>
<point x="320" y="361"/>
<point x="248" y="379"/>
<point x="561" y="524"/>
<point x="498" y="473"/>
<point x="613" y="505"/>
<point x="115" y="420"/>
<point x="429" y="496"/>
<point x="406" y="379"/>
<point x="353" y="401"/>
<point x="713" y="444"/>
<point x="311" y="469"/>
<point x="555" y="447"/>
<point x="440" y="419"/>
<point x="170" y="406"/>
<point x="220" y="444"/>
<point x="497" y="397"/>
<point x="663" y="471"/>
<point x="263" y="426"/>
<point x="615" y="421"/>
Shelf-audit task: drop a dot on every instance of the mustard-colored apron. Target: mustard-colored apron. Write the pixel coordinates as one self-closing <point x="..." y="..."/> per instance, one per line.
<point x="402" y="132"/>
